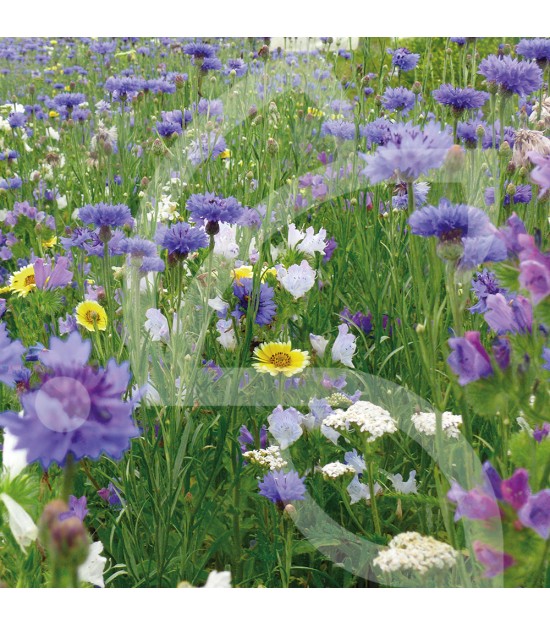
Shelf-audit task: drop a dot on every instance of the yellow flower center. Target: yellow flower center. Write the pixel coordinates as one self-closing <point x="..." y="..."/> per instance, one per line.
<point x="29" y="280"/>
<point x="92" y="317"/>
<point x="280" y="359"/>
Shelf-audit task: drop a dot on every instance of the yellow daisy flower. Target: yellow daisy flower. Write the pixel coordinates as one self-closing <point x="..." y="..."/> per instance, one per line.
<point x="225" y="154"/>
<point x="91" y="315"/>
<point x="4" y="289"/>
<point x="53" y="114"/>
<point x="22" y="281"/>
<point x="277" y="357"/>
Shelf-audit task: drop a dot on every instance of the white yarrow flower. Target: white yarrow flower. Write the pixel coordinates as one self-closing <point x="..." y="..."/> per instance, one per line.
<point x="334" y="470"/>
<point x="425" y="423"/>
<point x="410" y="551"/>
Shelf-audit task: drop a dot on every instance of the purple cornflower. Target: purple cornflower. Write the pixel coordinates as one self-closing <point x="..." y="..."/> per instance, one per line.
<point x="509" y="315"/>
<point x="510" y="75"/>
<point x="143" y="254"/>
<point x="10" y="357"/>
<point x="469" y="359"/>
<point x="459" y="99"/>
<point x="213" y="208"/>
<point x="410" y="152"/>
<point x="494" y="562"/>
<point x="77" y="508"/>
<point x="106" y="215"/>
<point x="515" y="490"/>
<point x="522" y="195"/>
<point x="246" y="439"/>
<point x="485" y="283"/>
<point x="404" y="59"/>
<point x="339" y="129"/>
<point x="76" y="409"/>
<point x="199" y="50"/>
<point x="536" y="513"/>
<point x="329" y="250"/>
<point x="398" y="99"/>
<point x="534" y="269"/>
<point x="267" y="308"/>
<point x="282" y="488"/>
<point x="537" y="49"/>
<point x="180" y="239"/>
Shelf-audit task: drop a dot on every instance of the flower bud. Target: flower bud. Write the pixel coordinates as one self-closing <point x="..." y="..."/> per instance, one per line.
<point x="505" y="150"/>
<point x="417" y="88"/>
<point x="272" y="146"/>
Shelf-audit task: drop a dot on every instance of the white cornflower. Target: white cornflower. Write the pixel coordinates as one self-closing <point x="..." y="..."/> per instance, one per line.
<point x="425" y="423"/>
<point x="334" y="470"/>
<point x="410" y="551"/>
<point x="357" y="490"/>
<point x="344" y="346"/>
<point x="297" y="279"/>
<point x="227" y="338"/>
<point x="269" y="458"/>
<point x="21" y="524"/>
<point x="91" y="571"/>
<point x="318" y="344"/>
<point x="406" y="488"/>
<point x="157" y="325"/>
<point x="225" y="242"/>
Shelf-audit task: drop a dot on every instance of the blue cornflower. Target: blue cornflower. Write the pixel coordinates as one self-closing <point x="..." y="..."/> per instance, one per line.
<point x="267" y="309"/>
<point x="236" y="65"/>
<point x="511" y="75"/>
<point x="199" y="50"/>
<point x="106" y="215"/>
<point x="281" y="488"/>
<point x="398" y="99"/>
<point x="400" y="199"/>
<point x="404" y="59"/>
<point x="211" y="64"/>
<point x="537" y="49"/>
<point x="208" y="145"/>
<point x="10" y="357"/>
<point x="522" y="195"/>
<point x="377" y="132"/>
<point x="180" y="239"/>
<point x="168" y="129"/>
<point x="142" y="253"/>
<point x="410" y="152"/>
<point x="485" y="283"/>
<point x="75" y="409"/>
<point x="460" y="99"/>
<point x="338" y="128"/>
<point x="213" y="208"/>
<point x="17" y="120"/>
<point x="70" y="100"/>
<point x="465" y="233"/>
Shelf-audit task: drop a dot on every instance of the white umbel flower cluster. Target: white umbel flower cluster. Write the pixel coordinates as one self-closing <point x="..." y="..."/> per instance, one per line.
<point x="425" y="423"/>
<point x="269" y="458"/>
<point x="366" y="417"/>
<point x="410" y="551"/>
<point x="334" y="470"/>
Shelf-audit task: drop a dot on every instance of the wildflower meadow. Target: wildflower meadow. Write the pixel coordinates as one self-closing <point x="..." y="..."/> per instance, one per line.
<point x="274" y="312"/>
